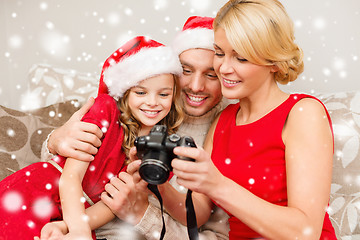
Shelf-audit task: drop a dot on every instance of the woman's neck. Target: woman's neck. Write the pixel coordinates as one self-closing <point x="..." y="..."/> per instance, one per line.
<point x="258" y="105"/>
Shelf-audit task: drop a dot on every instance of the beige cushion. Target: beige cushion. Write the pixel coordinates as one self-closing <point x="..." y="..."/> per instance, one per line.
<point x="344" y="209"/>
<point x="22" y="133"/>
<point x="49" y="85"/>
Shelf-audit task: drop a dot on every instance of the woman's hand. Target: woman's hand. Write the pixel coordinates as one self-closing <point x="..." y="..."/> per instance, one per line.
<point x="200" y="176"/>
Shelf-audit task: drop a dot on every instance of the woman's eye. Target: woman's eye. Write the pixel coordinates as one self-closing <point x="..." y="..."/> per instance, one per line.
<point x="241" y="59"/>
<point x="219" y="54"/>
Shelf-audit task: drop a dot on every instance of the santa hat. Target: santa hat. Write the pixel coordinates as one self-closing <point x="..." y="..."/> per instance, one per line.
<point x="138" y="59"/>
<point x="196" y="33"/>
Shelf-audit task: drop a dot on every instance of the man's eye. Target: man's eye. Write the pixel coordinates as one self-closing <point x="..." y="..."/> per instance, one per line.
<point x="212" y="76"/>
<point x="186" y="71"/>
<point x="219" y="54"/>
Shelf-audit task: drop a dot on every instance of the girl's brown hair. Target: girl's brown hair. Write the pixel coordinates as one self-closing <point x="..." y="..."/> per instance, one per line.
<point x="131" y="125"/>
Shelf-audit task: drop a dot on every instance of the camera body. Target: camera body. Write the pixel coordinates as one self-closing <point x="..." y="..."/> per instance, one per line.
<point x="156" y="152"/>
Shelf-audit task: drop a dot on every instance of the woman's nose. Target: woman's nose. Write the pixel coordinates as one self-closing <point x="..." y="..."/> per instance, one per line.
<point x="225" y="66"/>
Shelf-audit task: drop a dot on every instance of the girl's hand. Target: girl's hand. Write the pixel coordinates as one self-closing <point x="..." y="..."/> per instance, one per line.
<point x="53" y="230"/>
<point x="75" y="236"/>
<point x="200" y="176"/>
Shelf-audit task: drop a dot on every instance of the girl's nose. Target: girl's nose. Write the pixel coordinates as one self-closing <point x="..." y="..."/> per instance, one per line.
<point x="152" y="100"/>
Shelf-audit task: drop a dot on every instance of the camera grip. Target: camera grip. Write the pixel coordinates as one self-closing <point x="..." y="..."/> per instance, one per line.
<point x="186" y="141"/>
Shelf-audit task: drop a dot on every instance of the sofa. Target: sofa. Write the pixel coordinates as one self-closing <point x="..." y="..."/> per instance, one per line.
<point x="60" y="92"/>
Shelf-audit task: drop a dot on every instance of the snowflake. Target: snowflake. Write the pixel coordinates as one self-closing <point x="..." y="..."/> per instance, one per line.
<point x="10" y="132"/>
<point x="15" y="42"/>
<point x="43" y="207"/>
<point x="43" y="6"/>
<point x="128" y="11"/>
<point x="113" y="19"/>
<point x="12" y="201"/>
<point x="160" y="4"/>
<point x="251" y="181"/>
<point x="30" y="224"/>
<point x="319" y="23"/>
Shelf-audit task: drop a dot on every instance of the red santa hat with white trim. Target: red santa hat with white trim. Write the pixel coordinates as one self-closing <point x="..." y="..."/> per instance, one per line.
<point x="138" y="59"/>
<point x="196" y="33"/>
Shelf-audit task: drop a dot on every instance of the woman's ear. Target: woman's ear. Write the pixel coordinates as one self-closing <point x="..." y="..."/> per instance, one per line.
<point x="274" y="68"/>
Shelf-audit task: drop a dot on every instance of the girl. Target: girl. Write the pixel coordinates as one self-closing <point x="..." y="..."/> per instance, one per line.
<point x="141" y="76"/>
<point x="271" y="152"/>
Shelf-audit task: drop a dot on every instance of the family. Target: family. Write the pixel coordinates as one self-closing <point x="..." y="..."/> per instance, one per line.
<point x="263" y="161"/>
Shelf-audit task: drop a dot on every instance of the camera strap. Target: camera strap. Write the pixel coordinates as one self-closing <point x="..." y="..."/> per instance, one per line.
<point x="154" y="189"/>
<point x="190" y="213"/>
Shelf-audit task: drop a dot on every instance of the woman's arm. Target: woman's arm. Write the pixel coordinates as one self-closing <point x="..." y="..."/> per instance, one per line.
<point x="308" y="154"/>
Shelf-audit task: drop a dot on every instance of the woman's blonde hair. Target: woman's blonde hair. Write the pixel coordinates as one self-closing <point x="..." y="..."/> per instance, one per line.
<point x="131" y="125"/>
<point x="262" y="32"/>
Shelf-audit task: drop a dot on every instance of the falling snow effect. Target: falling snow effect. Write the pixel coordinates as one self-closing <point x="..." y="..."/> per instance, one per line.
<point x="326" y="60"/>
<point x="12" y="201"/>
<point x="331" y="57"/>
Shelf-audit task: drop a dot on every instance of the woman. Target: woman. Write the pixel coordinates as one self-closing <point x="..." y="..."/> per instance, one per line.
<point x="271" y="153"/>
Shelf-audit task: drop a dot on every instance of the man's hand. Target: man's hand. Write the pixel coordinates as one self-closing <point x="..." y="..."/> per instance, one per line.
<point x="76" y="139"/>
<point x="126" y="197"/>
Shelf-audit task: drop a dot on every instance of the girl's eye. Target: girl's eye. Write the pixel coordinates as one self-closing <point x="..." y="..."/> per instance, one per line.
<point x="140" y="93"/>
<point x="164" y="94"/>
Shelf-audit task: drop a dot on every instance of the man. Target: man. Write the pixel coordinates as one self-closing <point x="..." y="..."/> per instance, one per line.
<point x="201" y="93"/>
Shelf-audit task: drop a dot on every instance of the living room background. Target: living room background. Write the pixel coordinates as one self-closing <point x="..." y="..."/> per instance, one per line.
<point x="80" y="34"/>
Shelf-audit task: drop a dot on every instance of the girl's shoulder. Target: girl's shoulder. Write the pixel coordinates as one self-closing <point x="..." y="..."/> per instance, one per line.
<point x="105" y="108"/>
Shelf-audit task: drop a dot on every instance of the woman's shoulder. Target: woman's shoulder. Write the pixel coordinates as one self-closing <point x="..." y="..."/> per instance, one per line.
<point x="308" y="108"/>
<point x="307" y="102"/>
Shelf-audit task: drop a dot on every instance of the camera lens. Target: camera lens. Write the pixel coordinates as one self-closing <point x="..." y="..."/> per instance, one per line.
<point x="154" y="171"/>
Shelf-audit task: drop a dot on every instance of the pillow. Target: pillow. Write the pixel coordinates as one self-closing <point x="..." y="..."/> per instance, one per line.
<point x="49" y="85"/>
<point x="22" y="133"/>
<point x="344" y="209"/>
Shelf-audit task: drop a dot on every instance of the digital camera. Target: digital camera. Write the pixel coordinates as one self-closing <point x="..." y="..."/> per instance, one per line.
<point x="156" y="152"/>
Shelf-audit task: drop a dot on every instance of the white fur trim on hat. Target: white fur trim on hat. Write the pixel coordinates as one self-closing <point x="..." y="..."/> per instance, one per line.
<point x="193" y="38"/>
<point x="144" y="64"/>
